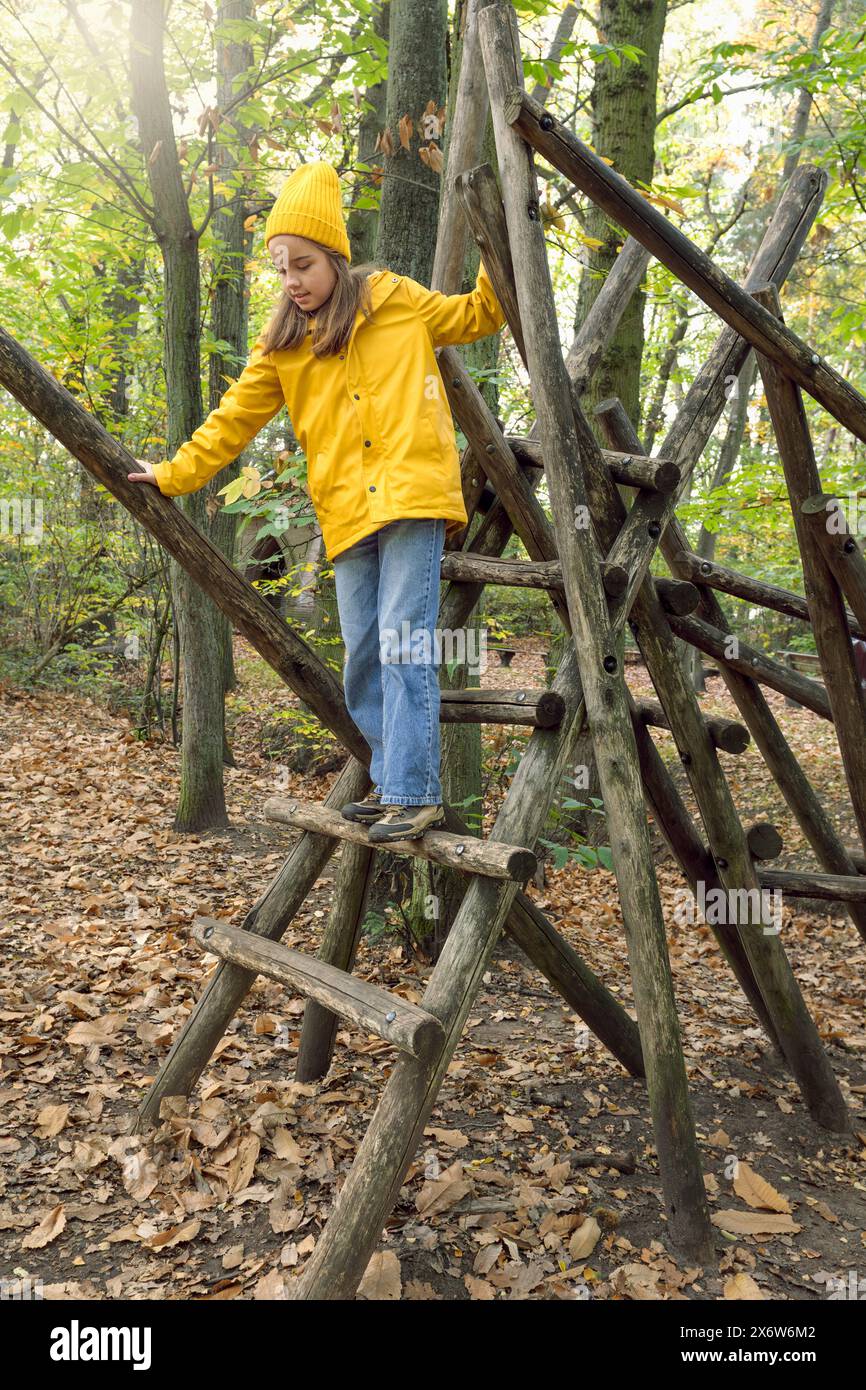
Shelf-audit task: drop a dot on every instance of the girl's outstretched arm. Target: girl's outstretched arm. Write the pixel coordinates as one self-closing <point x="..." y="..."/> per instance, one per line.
<point x="245" y="408"/>
<point x="458" y="318"/>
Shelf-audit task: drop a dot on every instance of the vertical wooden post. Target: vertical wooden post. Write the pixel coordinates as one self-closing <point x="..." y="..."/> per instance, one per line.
<point x="338" y="948"/>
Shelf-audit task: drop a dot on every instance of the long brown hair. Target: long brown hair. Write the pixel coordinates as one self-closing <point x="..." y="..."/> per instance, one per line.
<point x="288" y="324"/>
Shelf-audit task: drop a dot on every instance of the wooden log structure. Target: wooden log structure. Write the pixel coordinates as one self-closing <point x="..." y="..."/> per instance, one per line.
<point x="625" y="205"/>
<point x="731" y="652"/>
<point x="826" y="607"/>
<point x="708" y="573"/>
<point x="688" y="435"/>
<point x="799" y="883"/>
<point x="630" y="470"/>
<point x="464" y="852"/>
<point x="725" y="734"/>
<point x="466" y="567"/>
<point x="652" y="515"/>
<point x="826" y="521"/>
<point x="764" y="840"/>
<point x="541" y="709"/>
<point x="369" y="1007"/>
<point x="598" y="580"/>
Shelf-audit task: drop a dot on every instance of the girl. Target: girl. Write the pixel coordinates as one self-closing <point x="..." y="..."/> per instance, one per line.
<point x="351" y="355"/>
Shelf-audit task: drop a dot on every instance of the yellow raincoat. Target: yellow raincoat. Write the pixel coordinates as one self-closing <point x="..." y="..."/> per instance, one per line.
<point x="373" y="421"/>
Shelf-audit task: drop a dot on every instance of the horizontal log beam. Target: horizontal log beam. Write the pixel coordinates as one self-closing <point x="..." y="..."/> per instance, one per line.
<point x="631" y="470"/>
<point x="490" y="858"/>
<point x="754" y="591"/>
<point x="726" y="734"/>
<point x="541" y="709"/>
<point x="465" y="567"/>
<point x="834" y="887"/>
<point x="375" y="1010"/>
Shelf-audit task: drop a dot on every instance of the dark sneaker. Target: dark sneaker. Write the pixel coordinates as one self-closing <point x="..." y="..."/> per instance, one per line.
<point x="405" y="823"/>
<point x="366" y="811"/>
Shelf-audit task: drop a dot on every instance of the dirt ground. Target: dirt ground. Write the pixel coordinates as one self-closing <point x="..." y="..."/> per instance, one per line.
<point x="538" y="1177"/>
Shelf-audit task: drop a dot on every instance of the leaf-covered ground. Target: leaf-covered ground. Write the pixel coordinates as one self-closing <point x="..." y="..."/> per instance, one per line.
<point x="538" y="1177"/>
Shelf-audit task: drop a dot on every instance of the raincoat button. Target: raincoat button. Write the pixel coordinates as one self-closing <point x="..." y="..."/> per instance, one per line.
<point x="372" y="487"/>
<point x="357" y="397"/>
<point x="342" y="355"/>
<point x="366" y="443"/>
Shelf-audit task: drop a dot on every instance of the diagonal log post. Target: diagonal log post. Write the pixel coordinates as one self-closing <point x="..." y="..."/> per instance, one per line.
<point x="826" y="606"/>
<point x="792" y="1022"/>
<point x="626" y="206"/>
<point x="596" y="647"/>
<point x="607" y="512"/>
<point x="373" y="1183"/>
<point x="758" y="592"/>
<point x="825" y="518"/>
<point x="740" y="675"/>
<point x="730" y="651"/>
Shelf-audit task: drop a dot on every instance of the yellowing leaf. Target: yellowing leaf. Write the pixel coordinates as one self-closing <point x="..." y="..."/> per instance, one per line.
<point x="232" y="491"/>
<point x="175" y="1235"/>
<point x="753" y="1189"/>
<point x="664" y="201"/>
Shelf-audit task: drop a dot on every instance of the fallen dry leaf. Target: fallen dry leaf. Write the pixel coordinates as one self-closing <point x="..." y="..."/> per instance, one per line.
<point x="742" y="1286"/>
<point x="51" y="1120"/>
<point x="585" y="1239"/>
<point x="381" y="1281"/>
<point x="443" y="1192"/>
<point x="754" y="1223"/>
<point x="636" y="1281"/>
<point x="757" y="1192"/>
<point x="49" y="1229"/>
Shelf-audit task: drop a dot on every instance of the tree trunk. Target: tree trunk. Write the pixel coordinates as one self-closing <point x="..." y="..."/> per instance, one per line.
<point x="623" y="130"/>
<point x="363" y="221"/>
<point x="230" y="302"/>
<point x="201" y="801"/>
<point x="417" y="76"/>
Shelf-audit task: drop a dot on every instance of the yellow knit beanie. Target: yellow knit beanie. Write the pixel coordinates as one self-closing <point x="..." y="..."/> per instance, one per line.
<point x="310" y="205"/>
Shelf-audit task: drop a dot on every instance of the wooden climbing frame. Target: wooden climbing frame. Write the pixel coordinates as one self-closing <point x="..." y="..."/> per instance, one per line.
<point x="593" y="561"/>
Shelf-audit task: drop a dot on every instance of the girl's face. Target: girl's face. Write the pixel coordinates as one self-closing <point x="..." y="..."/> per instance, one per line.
<point x="306" y="272"/>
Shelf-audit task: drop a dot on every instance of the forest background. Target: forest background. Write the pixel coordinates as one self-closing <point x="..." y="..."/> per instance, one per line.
<point x="142" y="146"/>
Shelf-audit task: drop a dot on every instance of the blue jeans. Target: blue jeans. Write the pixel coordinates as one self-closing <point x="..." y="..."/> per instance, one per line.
<point x="388" y="601"/>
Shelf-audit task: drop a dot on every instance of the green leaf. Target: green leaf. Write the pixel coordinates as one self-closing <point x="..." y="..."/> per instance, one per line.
<point x="232" y="491"/>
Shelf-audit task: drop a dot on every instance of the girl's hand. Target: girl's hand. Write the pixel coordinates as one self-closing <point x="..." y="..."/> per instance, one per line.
<point x="146" y="477"/>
